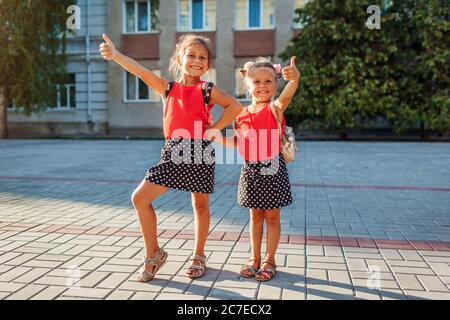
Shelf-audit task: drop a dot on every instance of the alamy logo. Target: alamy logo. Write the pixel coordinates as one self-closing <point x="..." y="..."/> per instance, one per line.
<point x="374" y="21"/>
<point x="374" y="280"/>
<point x="74" y="21"/>
<point x="73" y="277"/>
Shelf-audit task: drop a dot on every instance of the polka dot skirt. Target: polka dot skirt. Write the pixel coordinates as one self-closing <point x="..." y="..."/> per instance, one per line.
<point x="185" y="164"/>
<point x="264" y="184"/>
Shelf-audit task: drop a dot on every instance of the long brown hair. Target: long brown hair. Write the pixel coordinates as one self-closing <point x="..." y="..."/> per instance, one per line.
<point x="184" y="42"/>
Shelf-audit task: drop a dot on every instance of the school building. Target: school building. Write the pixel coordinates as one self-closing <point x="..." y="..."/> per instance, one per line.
<point x="100" y="98"/>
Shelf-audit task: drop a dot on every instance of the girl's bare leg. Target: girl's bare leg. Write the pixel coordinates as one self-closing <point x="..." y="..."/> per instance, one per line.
<point x="142" y="199"/>
<point x="256" y="233"/>
<point x="200" y="204"/>
<point x="272" y="218"/>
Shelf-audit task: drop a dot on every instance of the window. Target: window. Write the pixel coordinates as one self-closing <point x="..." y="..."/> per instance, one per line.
<point x="141" y="16"/>
<point x="254" y="14"/>
<point x="66" y="94"/>
<point x="135" y="90"/>
<point x="196" y="15"/>
<point x="298" y="4"/>
<point x="241" y="91"/>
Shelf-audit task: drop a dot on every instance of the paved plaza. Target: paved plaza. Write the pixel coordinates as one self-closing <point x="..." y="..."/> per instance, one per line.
<point x="370" y="220"/>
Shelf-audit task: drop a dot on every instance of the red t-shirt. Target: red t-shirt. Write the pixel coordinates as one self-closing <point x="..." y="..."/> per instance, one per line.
<point x="185" y="115"/>
<point x="259" y="138"/>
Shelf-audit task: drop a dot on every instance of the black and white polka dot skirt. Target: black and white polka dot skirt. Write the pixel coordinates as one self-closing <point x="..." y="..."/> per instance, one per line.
<point x="264" y="184"/>
<point x="186" y="164"/>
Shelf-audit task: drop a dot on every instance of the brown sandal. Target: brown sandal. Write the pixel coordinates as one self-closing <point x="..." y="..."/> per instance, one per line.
<point x="158" y="260"/>
<point x="192" y="266"/>
<point x="248" y="270"/>
<point x="266" y="274"/>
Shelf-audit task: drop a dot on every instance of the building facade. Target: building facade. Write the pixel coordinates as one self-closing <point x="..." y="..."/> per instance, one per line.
<point x="102" y="99"/>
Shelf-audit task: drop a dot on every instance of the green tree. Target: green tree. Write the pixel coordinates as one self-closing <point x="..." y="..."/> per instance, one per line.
<point x="32" y="54"/>
<point x="351" y="75"/>
<point x="422" y="64"/>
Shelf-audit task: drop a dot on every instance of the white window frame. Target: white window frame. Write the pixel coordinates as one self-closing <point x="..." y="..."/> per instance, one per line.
<point x="68" y="96"/>
<point x="190" y="29"/>
<point x="137" y="100"/>
<point x="136" y="22"/>
<point x="261" y="18"/>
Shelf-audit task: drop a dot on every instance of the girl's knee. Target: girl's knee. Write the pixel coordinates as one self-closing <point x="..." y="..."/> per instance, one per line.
<point x="138" y="200"/>
<point x="200" y="207"/>
<point x="272" y="217"/>
<point x="200" y="204"/>
<point x="257" y="216"/>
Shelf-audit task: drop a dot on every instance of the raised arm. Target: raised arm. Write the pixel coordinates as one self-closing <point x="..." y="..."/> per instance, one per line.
<point x="291" y="74"/>
<point x="109" y="52"/>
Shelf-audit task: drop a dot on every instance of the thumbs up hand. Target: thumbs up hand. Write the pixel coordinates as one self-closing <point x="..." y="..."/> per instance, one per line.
<point x="291" y="73"/>
<point x="107" y="49"/>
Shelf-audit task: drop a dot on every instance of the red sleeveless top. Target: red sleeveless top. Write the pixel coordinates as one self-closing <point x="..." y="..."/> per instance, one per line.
<point x="259" y="138"/>
<point x="185" y="114"/>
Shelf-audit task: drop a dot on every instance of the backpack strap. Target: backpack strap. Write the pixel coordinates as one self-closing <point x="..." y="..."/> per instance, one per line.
<point x="169" y="87"/>
<point x="206" y="92"/>
<point x="274" y="113"/>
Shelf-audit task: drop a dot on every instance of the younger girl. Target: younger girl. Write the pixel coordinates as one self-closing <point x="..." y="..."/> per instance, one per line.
<point x="264" y="184"/>
<point x="187" y="159"/>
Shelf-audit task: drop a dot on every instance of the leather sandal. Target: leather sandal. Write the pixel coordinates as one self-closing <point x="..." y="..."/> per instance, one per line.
<point x="193" y="266"/>
<point x="158" y="260"/>
<point x="249" y="270"/>
<point x="266" y="274"/>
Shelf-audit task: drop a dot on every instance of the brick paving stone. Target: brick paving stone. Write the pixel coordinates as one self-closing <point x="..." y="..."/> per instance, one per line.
<point x="49" y="293"/>
<point x="426" y="295"/>
<point x="315" y="251"/>
<point x="144" y="296"/>
<point x="409" y="282"/>
<point x="27" y="292"/>
<point x="86" y="293"/>
<point x="113" y="280"/>
<point x="295" y="261"/>
<point x="367" y="294"/>
<point x="433" y="283"/>
<point x="293" y="292"/>
<point x="412" y="270"/>
<point x="21" y="259"/>
<point x="441" y="269"/>
<point x="232" y="293"/>
<point x="392" y="294"/>
<point x="120" y="295"/>
<point x="119" y="268"/>
<point x="197" y="287"/>
<point x="32" y="275"/>
<point x="316" y="276"/>
<point x="93" y="263"/>
<point x="156" y="285"/>
<point x="92" y="279"/>
<point x="410" y="255"/>
<point x="10" y="286"/>
<point x="14" y="273"/>
<point x="341" y="277"/>
<point x="327" y="292"/>
<point x="271" y="290"/>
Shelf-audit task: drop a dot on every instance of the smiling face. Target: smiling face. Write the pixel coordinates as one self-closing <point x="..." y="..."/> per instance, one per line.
<point x="194" y="61"/>
<point x="262" y="85"/>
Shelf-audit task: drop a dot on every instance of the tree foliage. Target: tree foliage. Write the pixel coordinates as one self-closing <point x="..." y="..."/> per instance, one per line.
<point x="32" y="51"/>
<point x="353" y="75"/>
